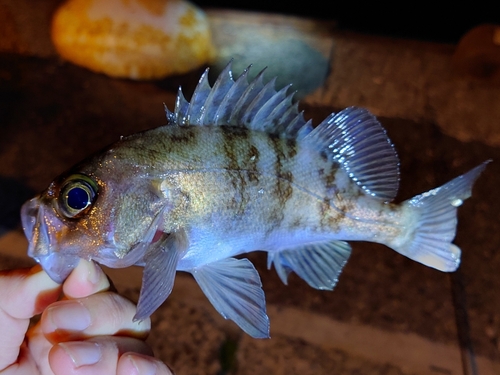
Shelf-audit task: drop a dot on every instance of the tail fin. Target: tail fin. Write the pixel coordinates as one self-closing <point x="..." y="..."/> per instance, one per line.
<point x="436" y="212"/>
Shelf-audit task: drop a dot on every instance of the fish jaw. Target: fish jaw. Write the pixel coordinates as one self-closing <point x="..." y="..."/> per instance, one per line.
<point x="57" y="266"/>
<point x="41" y="228"/>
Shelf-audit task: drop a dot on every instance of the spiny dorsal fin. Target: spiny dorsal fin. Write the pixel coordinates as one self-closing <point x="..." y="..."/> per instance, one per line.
<point x="255" y="105"/>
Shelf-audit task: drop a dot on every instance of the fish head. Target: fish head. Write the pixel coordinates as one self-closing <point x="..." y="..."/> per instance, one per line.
<point x="54" y="223"/>
<point x="83" y="215"/>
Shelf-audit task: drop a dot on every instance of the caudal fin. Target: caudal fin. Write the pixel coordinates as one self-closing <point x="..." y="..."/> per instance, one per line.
<point x="436" y="212"/>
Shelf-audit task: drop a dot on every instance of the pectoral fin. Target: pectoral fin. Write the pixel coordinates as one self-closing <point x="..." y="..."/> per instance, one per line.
<point x="318" y="264"/>
<point x="233" y="287"/>
<point x="160" y="260"/>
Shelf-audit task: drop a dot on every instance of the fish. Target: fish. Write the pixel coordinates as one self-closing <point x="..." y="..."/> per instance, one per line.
<point x="235" y="170"/>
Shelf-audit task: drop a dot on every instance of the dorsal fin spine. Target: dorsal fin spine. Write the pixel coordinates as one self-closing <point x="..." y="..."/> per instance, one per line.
<point x="305" y="129"/>
<point x="290" y="115"/>
<point x="259" y="102"/>
<point x="197" y="105"/>
<point x="247" y="98"/>
<point x="219" y="91"/>
<point x="181" y="107"/>
<point x="170" y="115"/>
<point x="272" y="110"/>
<point x="226" y="107"/>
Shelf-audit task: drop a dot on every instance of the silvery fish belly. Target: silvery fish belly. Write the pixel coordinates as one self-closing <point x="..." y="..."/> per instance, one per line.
<point x="238" y="169"/>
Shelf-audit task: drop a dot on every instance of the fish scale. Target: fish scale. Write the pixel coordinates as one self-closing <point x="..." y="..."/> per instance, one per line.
<point x="238" y="169"/>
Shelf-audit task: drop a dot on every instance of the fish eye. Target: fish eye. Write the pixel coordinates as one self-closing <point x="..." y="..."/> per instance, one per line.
<point x="77" y="195"/>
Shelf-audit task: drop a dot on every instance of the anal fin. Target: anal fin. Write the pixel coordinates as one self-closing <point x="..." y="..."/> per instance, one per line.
<point x="318" y="264"/>
<point x="233" y="287"/>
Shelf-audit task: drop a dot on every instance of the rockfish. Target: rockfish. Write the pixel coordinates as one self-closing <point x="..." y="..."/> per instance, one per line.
<point x="236" y="170"/>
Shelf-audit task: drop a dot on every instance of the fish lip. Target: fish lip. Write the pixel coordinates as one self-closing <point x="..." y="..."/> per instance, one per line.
<point x="29" y="215"/>
<point x="35" y="225"/>
<point x="34" y="228"/>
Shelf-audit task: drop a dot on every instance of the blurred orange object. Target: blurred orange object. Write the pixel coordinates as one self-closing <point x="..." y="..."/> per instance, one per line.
<point x="138" y="39"/>
<point x="478" y="53"/>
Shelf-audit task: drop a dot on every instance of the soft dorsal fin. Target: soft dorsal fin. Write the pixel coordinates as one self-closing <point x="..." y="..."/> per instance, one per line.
<point x="255" y="105"/>
<point x="360" y="145"/>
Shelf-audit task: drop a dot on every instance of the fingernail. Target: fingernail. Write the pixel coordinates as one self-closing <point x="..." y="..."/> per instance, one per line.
<point x="70" y="315"/>
<point x="94" y="273"/>
<point x="82" y="353"/>
<point x="142" y="365"/>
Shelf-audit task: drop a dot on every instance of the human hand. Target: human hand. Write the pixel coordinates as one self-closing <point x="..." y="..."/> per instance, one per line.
<point x="89" y="331"/>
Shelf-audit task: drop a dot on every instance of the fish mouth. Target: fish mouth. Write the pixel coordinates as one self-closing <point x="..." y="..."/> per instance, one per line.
<point x="41" y="227"/>
<point x="29" y="214"/>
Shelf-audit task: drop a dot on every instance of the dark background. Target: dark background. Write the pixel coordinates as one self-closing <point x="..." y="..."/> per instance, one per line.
<point x="440" y="21"/>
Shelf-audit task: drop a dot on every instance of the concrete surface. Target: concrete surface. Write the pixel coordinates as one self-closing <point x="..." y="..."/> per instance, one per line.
<point x="388" y="315"/>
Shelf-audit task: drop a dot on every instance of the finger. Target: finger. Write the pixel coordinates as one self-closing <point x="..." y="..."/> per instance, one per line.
<point x="138" y="364"/>
<point x="86" y="279"/>
<point x="37" y="349"/>
<point x="98" y="355"/>
<point x="24" y="365"/>
<point x="24" y="293"/>
<point x="100" y="314"/>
